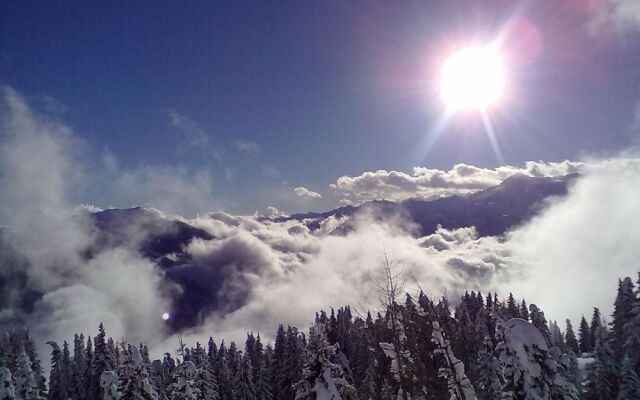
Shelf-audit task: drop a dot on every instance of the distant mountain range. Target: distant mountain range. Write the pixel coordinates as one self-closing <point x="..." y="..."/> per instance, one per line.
<point x="163" y="240"/>
<point x="492" y="211"/>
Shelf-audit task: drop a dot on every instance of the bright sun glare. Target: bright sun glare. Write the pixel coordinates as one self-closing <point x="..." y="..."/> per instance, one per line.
<point x="472" y="79"/>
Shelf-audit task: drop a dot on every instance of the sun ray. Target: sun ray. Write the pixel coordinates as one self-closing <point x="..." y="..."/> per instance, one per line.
<point x="488" y="127"/>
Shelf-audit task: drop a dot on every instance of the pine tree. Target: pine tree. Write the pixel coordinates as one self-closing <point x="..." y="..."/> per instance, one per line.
<point x="459" y="385"/>
<point x="539" y="321"/>
<point x="596" y="323"/>
<point x="76" y="383"/>
<point x="206" y="376"/>
<point x="32" y="353"/>
<point x="26" y="386"/>
<point x="243" y="388"/>
<point x="622" y="314"/>
<point x="585" y="336"/>
<point x="629" y="382"/>
<point x="183" y="386"/>
<point x="225" y="379"/>
<point x="7" y="391"/>
<point x="322" y="377"/>
<point x="524" y="311"/>
<point x="512" y="310"/>
<point x="134" y="382"/>
<point x="570" y="338"/>
<point x="602" y="374"/>
<point x="632" y="335"/>
<point x="57" y="375"/>
<point x="102" y="361"/>
<point x="88" y="379"/>
<point x="109" y="385"/>
<point x="490" y="383"/>
<point x="528" y="368"/>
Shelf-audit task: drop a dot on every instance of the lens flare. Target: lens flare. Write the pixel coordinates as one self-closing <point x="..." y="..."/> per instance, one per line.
<point x="472" y="79"/>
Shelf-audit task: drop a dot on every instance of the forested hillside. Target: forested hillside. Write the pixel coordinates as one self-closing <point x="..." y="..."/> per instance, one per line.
<point x="483" y="347"/>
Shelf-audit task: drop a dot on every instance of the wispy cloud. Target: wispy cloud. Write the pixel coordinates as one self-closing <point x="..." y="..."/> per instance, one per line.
<point x="247" y="147"/>
<point x="189" y="128"/>
<point x="614" y="17"/>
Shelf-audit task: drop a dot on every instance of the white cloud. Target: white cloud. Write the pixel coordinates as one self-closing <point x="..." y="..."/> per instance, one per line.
<point x="302" y="191"/>
<point x="426" y="183"/>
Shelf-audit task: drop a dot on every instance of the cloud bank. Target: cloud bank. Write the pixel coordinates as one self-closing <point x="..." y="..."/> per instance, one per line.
<point x="427" y="183"/>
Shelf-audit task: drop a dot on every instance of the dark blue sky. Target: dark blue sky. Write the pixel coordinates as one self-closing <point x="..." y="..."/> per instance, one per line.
<point x="324" y="88"/>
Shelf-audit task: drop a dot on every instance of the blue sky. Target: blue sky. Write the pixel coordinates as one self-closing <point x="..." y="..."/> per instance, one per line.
<point x="268" y="96"/>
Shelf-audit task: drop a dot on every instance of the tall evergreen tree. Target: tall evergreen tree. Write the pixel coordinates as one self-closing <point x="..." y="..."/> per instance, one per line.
<point x="570" y="338"/>
<point x="26" y="385"/>
<point x="490" y="382"/>
<point x="596" y="323"/>
<point x="622" y="314"/>
<point x="57" y="379"/>
<point x="585" y="336"/>
<point x="629" y="382"/>
<point x="602" y="375"/>
<point x="243" y="388"/>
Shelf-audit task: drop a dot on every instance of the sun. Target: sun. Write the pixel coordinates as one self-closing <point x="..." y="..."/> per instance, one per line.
<point x="472" y="79"/>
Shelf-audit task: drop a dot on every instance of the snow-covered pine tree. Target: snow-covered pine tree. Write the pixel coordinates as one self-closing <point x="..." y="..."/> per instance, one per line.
<point x="102" y="361"/>
<point x="632" y="335"/>
<point x="602" y="374"/>
<point x="26" y="386"/>
<point x="109" y="385"/>
<point x="523" y="352"/>
<point x="58" y="385"/>
<point x="490" y="382"/>
<point x="557" y="338"/>
<point x="322" y="377"/>
<point x="79" y="364"/>
<point x="459" y="385"/>
<point x="224" y="377"/>
<point x="206" y="376"/>
<point x="570" y="338"/>
<point x="540" y="322"/>
<point x="629" y="382"/>
<point x="243" y="387"/>
<point x="7" y="391"/>
<point x="262" y="383"/>
<point x="134" y="378"/>
<point x="183" y="386"/>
